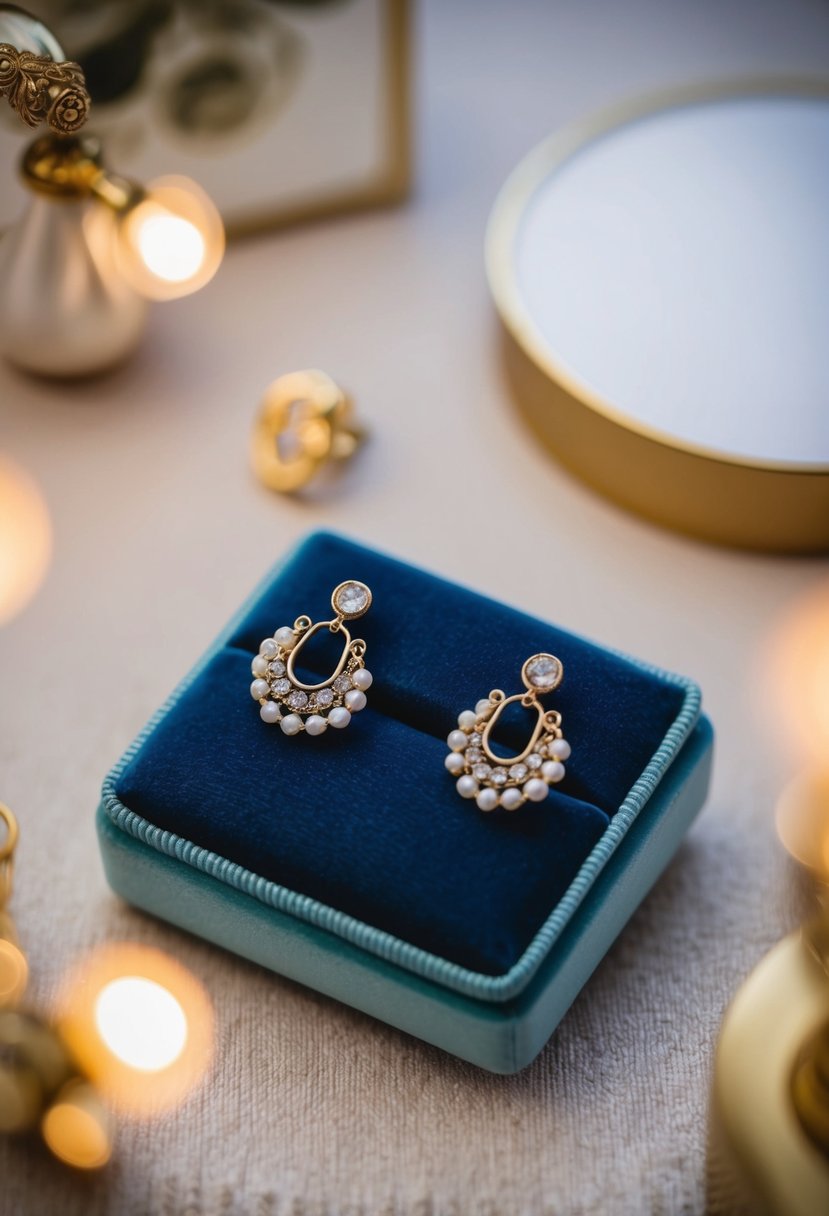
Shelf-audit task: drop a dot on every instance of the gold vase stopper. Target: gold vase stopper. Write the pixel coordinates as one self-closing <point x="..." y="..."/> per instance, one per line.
<point x="40" y="84"/>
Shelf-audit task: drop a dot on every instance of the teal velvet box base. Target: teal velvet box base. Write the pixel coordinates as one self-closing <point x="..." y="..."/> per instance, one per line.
<point x="474" y="932"/>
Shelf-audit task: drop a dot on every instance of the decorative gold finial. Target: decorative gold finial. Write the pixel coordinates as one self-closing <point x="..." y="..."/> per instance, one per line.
<point x="42" y="90"/>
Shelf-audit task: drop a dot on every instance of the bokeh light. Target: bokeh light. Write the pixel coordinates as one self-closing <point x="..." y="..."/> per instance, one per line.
<point x="76" y="1128"/>
<point x="797" y="670"/>
<point x="172" y="248"/>
<point x="25" y="539"/>
<point x="139" y="1024"/>
<point x="797" y="673"/>
<point x="173" y="241"/>
<point x="14" y="972"/>
<point x="802" y="820"/>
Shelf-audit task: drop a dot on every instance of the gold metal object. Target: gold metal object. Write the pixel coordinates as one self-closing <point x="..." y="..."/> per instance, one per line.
<point x="810" y="1087"/>
<point x="14" y="970"/>
<point x="305" y="423"/>
<point x="755" y="504"/>
<point x="40" y="1085"/>
<point x="40" y="90"/>
<point x="764" y="1156"/>
<point x="72" y="167"/>
<point x="802" y="820"/>
<point x="8" y="844"/>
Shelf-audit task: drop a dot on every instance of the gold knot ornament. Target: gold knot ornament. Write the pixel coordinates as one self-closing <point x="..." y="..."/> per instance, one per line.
<point x="40" y="90"/>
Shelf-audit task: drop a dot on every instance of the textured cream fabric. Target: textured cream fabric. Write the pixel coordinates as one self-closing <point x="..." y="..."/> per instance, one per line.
<point x="313" y="1109"/>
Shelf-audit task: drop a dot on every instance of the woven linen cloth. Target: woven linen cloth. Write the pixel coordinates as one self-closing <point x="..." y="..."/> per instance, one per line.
<point x="312" y="1109"/>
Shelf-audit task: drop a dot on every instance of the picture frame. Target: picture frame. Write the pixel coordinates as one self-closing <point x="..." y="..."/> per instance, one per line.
<point x="283" y="110"/>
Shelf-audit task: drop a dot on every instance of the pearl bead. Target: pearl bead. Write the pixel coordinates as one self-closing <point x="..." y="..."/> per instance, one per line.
<point x="362" y="679"/>
<point x="292" y="724"/>
<point x="259" y="666"/>
<point x="316" y="724"/>
<point x="339" y="718"/>
<point x="269" y="649"/>
<point x="482" y="706"/>
<point x="270" y="712"/>
<point x="487" y="799"/>
<point x="285" y="637"/>
<point x="552" y="770"/>
<point x="511" y="798"/>
<point x="455" y="763"/>
<point x="467" y="719"/>
<point x="457" y="740"/>
<point x="355" y="700"/>
<point x="259" y="689"/>
<point x="560" y="749"/>
<point x="536" y="789"/>
<point x="466" y="786"/>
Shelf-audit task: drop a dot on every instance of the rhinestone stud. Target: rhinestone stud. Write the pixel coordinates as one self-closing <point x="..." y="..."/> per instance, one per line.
<point x="542" y="672"/>
<point x="350" y="600"/>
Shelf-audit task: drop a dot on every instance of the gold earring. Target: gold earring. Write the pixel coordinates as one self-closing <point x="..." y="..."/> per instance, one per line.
<point x="295" y="705"/>
<point x="494" y="780"/>
<point x="305" y="423"/>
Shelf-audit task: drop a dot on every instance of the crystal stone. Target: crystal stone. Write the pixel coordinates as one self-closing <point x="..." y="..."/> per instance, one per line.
<point x="518" y="772"/>
<point x="342" y="683"/>
<point x="475" y="739"/>
<point x="498" y="776"/>
<point x="474" y="754"/>
<point x="276" y="668"/>
<point x="351" y="599"/>
<point x="324" y="697"/>
<point x="481" y="771"/>
<point x="543" y="671"/>
<point x="298" y="699"/>
<point x="534" y="761"/>
<point x="280" y="687"/>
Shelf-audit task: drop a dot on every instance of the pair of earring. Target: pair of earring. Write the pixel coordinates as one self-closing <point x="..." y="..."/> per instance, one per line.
<point x="492" y="780"/>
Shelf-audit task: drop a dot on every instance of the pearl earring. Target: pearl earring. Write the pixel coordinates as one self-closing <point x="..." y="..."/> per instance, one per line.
<point x="509" y="782"/>
<point x="297" y="706"/>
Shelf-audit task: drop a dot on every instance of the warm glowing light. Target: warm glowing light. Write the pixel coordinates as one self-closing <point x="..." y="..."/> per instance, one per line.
<point x="25" y="540"/>
<point x="76" y="1128"/>
<point x="141" y="1023"/>
<point x="172" y="248"/>
<point x="798" y="675"/>
<point x="802" y="820"/>
<point x="14" y="973"/>
<point x="172" y="242"/>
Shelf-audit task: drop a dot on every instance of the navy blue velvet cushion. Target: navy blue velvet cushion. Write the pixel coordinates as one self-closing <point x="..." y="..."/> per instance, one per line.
<point x="367" y="820"/>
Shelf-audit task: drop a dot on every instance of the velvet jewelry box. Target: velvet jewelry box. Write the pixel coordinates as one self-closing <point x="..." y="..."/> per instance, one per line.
<point x="348" y="861"/>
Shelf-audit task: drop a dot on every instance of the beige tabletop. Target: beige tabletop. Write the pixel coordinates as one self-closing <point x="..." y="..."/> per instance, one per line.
<point x="159" y="531"/>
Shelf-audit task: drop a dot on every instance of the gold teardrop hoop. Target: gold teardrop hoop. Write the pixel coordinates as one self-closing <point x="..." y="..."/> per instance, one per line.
<point x="294" y="703"/>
